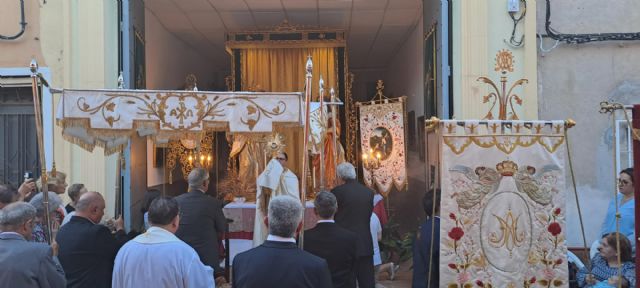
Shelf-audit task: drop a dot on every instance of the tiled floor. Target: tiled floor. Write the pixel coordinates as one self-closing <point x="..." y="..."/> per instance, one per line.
<point x="402" y="280"/>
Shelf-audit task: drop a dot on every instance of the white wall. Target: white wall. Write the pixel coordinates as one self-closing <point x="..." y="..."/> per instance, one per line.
<point x="405" y="77"/>
<point x="404" y="74"/>
<point x="572" y="80"/>
<point x="168" y="61"/>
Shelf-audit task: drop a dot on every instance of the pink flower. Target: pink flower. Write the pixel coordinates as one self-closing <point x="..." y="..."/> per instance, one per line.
<point x="456" y="233"/>
<point x="464" y="277"/>
<point x="548" y="273"/>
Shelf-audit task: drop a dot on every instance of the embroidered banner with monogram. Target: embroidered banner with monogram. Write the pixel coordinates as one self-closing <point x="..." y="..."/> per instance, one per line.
<point x="382" y="136"/>
<point x="503" y="204"/>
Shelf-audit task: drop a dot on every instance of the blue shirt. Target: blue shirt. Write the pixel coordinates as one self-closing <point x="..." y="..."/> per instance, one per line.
<point x="627" y="220"/>
<point x="421" y="256"/>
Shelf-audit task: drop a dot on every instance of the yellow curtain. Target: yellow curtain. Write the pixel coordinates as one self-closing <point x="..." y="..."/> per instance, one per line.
<point x="283" y="69"/>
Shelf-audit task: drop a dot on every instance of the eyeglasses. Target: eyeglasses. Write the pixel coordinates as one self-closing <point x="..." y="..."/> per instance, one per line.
<point x="281" y="158"/>
<point x="623" y="182"/>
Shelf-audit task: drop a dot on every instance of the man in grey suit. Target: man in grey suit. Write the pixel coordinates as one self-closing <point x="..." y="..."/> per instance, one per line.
<point x="355" y="205"/>
<point x="25" y="264"/>
<point x="201" y="221"/>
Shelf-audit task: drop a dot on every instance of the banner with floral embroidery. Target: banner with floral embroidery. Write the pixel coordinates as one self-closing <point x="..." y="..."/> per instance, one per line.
<point x="382" y="130"/>
<point x="503" y="204"/>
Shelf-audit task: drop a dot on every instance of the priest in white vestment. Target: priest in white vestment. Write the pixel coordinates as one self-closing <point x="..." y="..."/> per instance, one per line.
<point x="158" y="258"/>
<point x="275" y="180"/>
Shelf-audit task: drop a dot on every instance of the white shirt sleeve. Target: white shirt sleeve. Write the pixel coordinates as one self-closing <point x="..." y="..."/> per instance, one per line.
<point x="376" y="228"/>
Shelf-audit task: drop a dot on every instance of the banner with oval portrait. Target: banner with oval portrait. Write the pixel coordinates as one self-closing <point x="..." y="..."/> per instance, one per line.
<point x="382" y="140"/>
<point x="503" y="204"/>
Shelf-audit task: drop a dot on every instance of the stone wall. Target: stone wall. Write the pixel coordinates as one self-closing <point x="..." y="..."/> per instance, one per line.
<point x="572" y="80"/>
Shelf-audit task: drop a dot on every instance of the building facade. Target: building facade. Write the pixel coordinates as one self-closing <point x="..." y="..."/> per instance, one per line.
<point x="76" y="46"/>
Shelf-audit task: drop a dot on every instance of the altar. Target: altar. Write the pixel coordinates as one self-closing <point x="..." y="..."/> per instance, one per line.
<point x="243" y="217"/>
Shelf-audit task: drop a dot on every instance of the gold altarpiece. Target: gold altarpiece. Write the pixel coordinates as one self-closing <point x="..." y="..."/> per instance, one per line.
<point x="273" y="60"/>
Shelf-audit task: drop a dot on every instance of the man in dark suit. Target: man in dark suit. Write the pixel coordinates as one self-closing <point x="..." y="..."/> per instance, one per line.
<point x="202" y="221"/>
<point x="426" y="247"/>
<point x="25" y="264"/>
<point x="278" y="262"/>
<point x="355" y="205"/>
<point x="332" y="242"/>
<point x="88" y="249"/>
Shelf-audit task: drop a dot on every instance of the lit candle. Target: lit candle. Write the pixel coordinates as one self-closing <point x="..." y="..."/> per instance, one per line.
<point x="313" y="177"/>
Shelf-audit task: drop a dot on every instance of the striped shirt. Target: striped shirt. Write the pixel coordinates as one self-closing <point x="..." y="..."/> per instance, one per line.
<point x="602" y="271"/>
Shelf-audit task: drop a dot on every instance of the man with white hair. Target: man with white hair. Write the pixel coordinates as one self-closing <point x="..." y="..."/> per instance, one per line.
<point x="158" y="252"/>
<point x="202" y="221"/>
<point x="39" y="234"/>
<point x="355" y="205"/>
<point x="26" y="264"/>
<point x="278" y="262"/>
<point x="276" y="179"/>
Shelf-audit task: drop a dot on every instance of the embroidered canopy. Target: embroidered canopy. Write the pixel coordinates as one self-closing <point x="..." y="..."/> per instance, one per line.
<point x="107" y="118"/>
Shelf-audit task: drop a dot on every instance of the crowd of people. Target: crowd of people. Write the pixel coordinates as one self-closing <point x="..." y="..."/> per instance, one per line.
<point x="180" y="247"/>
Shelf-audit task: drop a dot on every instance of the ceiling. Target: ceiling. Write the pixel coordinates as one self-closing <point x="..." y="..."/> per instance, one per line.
<point x="376" y="29"/>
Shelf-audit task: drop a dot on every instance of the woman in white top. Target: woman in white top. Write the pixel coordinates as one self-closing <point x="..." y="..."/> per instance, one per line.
<point x="376" y="235"/>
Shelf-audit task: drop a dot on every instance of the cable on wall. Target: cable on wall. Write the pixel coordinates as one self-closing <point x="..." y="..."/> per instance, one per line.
<point x="23" y="25"/>
<point x="547" y="50"/>
<point x="585" y="38"/>
<point x="516" y="20"/>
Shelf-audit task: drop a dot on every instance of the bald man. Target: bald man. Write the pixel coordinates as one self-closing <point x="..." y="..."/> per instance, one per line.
<point x="87" y="248"/>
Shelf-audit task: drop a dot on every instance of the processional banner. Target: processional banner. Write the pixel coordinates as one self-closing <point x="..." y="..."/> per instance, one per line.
<point x="108" y="118"/>
<point x="382" y="136"/>
<point x="503" y="204"/>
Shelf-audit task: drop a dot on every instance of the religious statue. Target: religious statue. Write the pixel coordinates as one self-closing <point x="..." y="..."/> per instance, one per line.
<point x="250" y="160"/>
<point x="333" y="155"/>
<point x="250" y="155"/>
<point x="322" y="139"/>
